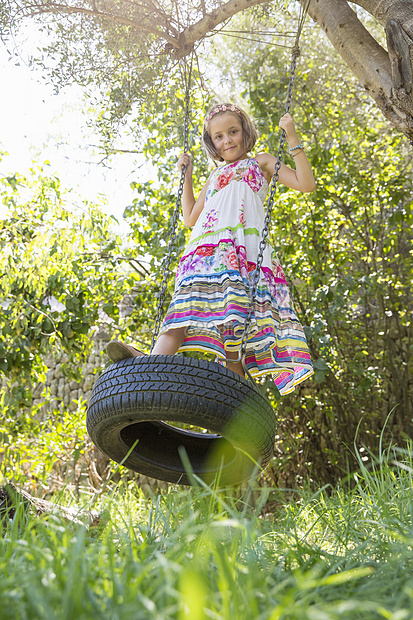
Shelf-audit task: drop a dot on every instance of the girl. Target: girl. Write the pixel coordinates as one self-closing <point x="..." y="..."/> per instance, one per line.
<point x="210" y="302"/>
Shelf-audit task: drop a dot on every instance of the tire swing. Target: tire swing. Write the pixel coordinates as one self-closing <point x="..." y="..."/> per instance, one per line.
<point x="133" y="397"/>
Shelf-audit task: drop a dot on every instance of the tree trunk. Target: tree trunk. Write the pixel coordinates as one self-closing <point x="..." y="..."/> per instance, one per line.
<point x="387" y="76"/>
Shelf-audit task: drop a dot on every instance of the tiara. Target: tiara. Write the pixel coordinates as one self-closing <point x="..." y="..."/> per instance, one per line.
<point x="222" y="108"/>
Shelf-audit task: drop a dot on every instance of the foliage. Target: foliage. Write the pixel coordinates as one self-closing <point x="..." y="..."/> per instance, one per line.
<point x="200" y="553"/>
<point x="123" y="67"/>
<point x="151" y="214"/>
<point x="347" y="252"/>
<point x="127" y="54"/>
<point x="63" y="274"/>
<point x="46" y="451"/>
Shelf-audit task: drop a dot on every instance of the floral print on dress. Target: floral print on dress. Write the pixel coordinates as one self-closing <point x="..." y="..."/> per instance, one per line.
<point x="189" y="265"/>
<point x="246" y="170"/>
<point x="228" y="254"/>
<point x="242" y="257"/>
<point x="224" y="179"/>
<point x="253" y="177"/>
<point x="241" y="215"/>
<point x="215" y="259"/>
<point x="210" y="220"/>
<point x="277" y="269"/>
<point x="205" y="250"/>
<point x="229" y="259"/>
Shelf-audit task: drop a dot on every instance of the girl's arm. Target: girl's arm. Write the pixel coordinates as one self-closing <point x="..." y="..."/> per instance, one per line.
<point x="191" y="208"/>
<point x="302" y="177"/>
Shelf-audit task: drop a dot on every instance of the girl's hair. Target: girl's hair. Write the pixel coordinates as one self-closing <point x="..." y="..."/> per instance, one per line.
<point x="249" y="131"/>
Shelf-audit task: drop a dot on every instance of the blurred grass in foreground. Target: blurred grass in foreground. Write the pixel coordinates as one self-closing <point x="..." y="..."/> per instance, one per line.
<point x="198" y="554"/>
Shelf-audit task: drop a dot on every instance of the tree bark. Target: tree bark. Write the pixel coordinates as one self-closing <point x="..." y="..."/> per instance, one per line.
<point x="399" y="54"/>
<point x="385" y="75"/>
<point x="383" y="10"/>
<point x="196" y="32"/>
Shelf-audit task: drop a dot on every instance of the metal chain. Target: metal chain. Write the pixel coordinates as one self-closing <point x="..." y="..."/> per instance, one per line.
<point x="176" y="214"/>
<point x="304" y="6"/>
<point x="268" y="215"/>
<point x="265" y="232"/>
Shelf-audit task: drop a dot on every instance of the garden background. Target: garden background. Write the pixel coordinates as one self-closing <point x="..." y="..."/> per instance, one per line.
<point x="339" y="485"/>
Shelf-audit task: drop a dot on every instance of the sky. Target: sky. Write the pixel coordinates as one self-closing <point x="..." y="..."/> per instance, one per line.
<point x="38" y="125"/>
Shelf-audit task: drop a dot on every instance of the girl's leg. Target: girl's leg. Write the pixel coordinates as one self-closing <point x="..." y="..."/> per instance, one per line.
<point x="169" y="342"/>
<point x="235" y="366"/>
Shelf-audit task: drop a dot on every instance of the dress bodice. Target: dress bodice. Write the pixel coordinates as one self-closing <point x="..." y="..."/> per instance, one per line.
<point x="245" y="170"/>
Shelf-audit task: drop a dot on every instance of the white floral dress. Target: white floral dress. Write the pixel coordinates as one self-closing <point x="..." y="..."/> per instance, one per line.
<point x="214" y="276"/>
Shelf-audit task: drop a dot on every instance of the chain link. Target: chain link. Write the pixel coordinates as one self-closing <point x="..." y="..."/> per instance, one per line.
<point x="176" y="214"/>
<point x="268" y="214"/>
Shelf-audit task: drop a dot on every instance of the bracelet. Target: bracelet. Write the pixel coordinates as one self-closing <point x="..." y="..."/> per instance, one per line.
<point x="294" y="148"/>
<point x="295" y="154"/>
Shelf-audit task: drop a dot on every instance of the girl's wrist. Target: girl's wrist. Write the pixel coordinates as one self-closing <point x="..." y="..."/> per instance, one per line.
<point x="296" y="148"/>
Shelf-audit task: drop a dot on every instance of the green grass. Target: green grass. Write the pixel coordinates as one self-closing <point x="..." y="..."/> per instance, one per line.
<point x="199" y="554"/>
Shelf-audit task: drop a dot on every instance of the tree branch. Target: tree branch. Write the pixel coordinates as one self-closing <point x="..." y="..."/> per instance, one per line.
<point x="197" y="31"/>
<point x="399" y="54"/>
<point x="383" y="10"/>
<point x="363" y="54"/>
<point x="11" y="498"/>
<point x="97" y="14"/>
<point x="367" y="59"/>
<point x="387" y="80"/>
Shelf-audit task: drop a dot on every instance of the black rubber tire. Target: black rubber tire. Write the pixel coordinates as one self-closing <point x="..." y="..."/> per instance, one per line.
<point x="132" y="397"/>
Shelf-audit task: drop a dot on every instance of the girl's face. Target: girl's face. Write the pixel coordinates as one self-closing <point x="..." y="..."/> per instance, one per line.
<point x="227" y="136"/>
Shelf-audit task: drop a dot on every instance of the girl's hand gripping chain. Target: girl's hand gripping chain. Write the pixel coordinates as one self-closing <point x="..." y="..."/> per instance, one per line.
<point x="185" y="160"/>
<point x="287" y="123"/>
